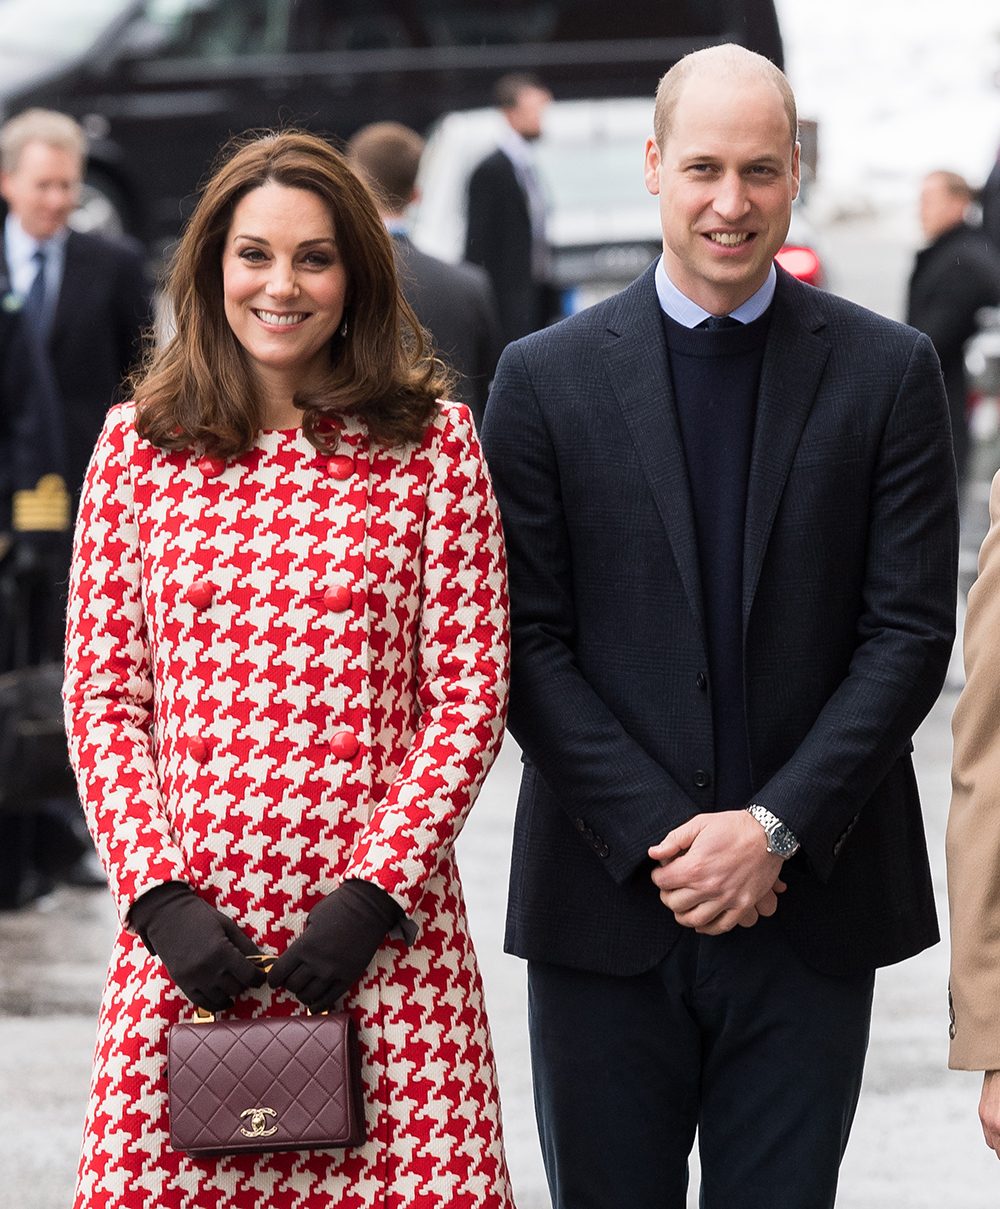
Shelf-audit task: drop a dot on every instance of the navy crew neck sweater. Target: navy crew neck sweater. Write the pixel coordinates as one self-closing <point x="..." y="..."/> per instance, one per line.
<point x="716" y="376"/>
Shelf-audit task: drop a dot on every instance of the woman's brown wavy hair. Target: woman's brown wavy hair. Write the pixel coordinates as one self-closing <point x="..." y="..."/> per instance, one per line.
<point x="197" y="390"/>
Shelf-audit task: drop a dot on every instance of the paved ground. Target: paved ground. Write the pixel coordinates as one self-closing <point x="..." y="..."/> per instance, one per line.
<point x="916" y="1142"/>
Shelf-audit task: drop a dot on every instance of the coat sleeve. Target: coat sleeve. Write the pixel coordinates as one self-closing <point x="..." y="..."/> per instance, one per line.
<point x="583" y="753"/>
<point x="462" y="672"/>
<point x="973" y="842"/>
<point x="108" y="689"/>
<point x="905" y="629"/>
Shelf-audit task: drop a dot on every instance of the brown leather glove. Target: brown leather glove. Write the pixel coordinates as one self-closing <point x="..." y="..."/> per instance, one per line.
<point x="342" y="935"/>
<point x="203" y="950"/>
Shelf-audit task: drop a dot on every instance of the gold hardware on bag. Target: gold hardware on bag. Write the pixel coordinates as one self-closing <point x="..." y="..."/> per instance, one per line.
<point x="45" y="509"/>
<point x="258" y="1120"/>
<point x="263" y="961"/>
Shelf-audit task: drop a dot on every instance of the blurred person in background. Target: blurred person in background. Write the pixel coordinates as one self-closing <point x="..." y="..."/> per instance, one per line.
<point x="973" y="840"/>
<point x="454" y="303"/>
<point x="953" y="277"/>
<point x="989" y="199"/>
<point x="73" y="309"/>
<point x="286" y="679"/>
<point x="505" y="230"/>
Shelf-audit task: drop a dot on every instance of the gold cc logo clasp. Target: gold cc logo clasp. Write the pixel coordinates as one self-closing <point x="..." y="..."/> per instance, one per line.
<point x="258" y="1119"/>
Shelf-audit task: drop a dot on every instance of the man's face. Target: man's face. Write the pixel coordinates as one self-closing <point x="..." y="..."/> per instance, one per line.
<point x="726" y="179"/>
<point x="43" y="189"/>
<point x="940" y="209"/>
<point x="527" y="115"/>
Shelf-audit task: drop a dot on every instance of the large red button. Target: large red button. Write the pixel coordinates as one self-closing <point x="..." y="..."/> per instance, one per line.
<point x="340" y="466"/>
<point x="344" y="744"/>
<point x="338" y="599"/>
<point x="211" y="468"/>
<point x="198" y="749"/>
<point x="200" y="594"/>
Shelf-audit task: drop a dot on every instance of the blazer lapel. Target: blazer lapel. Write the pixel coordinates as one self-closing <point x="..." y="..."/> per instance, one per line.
<point x="73" y="289"/>
<point x="636" y="358"/>
<point x="793" y="365"/>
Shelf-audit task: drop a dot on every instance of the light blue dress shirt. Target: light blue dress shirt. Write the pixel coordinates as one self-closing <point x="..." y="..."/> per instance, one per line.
<point x="682" y="310"/>
<point x="20" y="248"/>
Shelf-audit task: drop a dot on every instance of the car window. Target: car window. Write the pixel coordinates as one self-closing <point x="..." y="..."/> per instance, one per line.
<point x="376" y="24"/>
<point x="211" y="29"/>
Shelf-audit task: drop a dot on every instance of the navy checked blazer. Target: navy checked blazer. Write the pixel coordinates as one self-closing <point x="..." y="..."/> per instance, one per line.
<point x="848" y="609"/>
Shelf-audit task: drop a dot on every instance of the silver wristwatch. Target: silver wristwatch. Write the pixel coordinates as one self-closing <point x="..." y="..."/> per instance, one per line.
<point x="780" y="839"/>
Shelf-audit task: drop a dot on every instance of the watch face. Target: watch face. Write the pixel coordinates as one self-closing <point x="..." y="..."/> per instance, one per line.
<point x="782" y="841"/>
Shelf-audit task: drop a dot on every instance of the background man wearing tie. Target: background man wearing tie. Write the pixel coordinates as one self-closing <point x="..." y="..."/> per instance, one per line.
<point x="729" y="507"/>
<point x="72" y="310"/>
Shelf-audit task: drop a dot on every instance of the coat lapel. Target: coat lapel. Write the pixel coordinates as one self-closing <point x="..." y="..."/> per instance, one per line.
<point x="793" y="365"/>
<point x="73" y="290"/>
<point x="636" y="358"/>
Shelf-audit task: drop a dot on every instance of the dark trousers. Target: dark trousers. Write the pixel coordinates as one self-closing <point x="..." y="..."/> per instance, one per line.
<point x="734" y="1036"/>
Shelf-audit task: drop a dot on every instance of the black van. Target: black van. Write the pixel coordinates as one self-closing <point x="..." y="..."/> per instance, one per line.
<point x="160" y="84"/>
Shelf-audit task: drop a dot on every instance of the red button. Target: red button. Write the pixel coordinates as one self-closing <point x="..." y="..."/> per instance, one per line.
<point x="198" y="749"/>
<point x="338" y="599"/>
<point x="340" y="466"/>
<point x="211" y="468"/>
<point x="344" y="745"/>
<point x="200" y="594"/>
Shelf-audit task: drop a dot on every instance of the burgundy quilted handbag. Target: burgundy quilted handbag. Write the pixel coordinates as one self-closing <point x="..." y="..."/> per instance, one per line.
<point x="272" y="1083"/>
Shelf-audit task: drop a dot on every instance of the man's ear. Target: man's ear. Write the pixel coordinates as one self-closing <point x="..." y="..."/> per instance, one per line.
<point x="796" y="170"/>
<point x="652" y="167"/>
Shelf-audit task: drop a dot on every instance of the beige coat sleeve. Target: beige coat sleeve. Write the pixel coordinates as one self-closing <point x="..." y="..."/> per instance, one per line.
<point x="973" y="843"/>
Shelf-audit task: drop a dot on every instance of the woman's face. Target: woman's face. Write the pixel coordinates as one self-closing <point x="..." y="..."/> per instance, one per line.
<point x="284" y="283"/>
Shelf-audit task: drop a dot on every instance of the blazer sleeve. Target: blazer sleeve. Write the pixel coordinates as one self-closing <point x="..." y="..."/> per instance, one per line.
<point x="973" y="840"/>
<point x="905" y="627"/>
<point x="462" y="668"/>
<point x="581" y="750"/>
<point x="108" y="689"/>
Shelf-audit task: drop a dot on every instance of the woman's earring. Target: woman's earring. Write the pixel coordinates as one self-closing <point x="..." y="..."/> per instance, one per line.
<point x="343" y="328"/>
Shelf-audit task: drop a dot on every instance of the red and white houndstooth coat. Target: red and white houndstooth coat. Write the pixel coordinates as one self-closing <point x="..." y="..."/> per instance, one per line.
<point x="282" y="671"/>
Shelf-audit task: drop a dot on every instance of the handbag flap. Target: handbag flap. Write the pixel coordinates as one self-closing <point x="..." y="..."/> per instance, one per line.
<point x="273" y="1083"/>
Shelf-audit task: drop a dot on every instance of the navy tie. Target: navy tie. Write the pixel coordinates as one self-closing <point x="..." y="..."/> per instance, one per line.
<point x="34" y="304"/>
<point x="715" y="322"/>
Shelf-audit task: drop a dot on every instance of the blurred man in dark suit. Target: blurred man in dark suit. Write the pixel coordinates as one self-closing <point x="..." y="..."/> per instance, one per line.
<point x="728" y="500"/>
<point x="453" y="302"/>
<point x="506" y="216"/>
<point x="956" y="274"/>
<point x="72" y="311"/>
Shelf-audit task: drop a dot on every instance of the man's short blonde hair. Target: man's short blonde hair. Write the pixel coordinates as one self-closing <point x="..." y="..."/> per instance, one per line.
<point x="726" y="62"/>
<point x="39" y="126"/>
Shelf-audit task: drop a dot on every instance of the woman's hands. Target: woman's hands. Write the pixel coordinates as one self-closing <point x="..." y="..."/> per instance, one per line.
<point x="203" y="950"/>
<point x="342" y="935"/>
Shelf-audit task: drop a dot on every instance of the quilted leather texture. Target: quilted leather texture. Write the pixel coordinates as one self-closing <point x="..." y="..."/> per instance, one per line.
<point x="298" y="1071"/>
<point x="230" y="783"/>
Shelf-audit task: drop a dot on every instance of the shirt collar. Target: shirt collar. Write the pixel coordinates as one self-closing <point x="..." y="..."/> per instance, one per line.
<point x="689" y="314"/>
<point x="23" y="246"/>
<point x="397" y="226"/>
<point x="516" y="147"/>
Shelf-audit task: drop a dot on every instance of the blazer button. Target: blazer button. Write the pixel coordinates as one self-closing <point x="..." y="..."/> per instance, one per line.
<point x="340" y="467"/>
<point x="702" y="681"/>
<point x="200" y="594"/>
<point x="211" y="468"/>
<point x="581" y="825"/>
<point x="344" y="744"/>
<point x="338" y="599"/>
<point x="701" y="778"/>
<point x="604" y="851"/>
<point x="198" y="749"/>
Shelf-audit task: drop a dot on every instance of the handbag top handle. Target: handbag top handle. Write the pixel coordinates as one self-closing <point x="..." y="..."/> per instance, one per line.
<point x="263" y="961"/>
